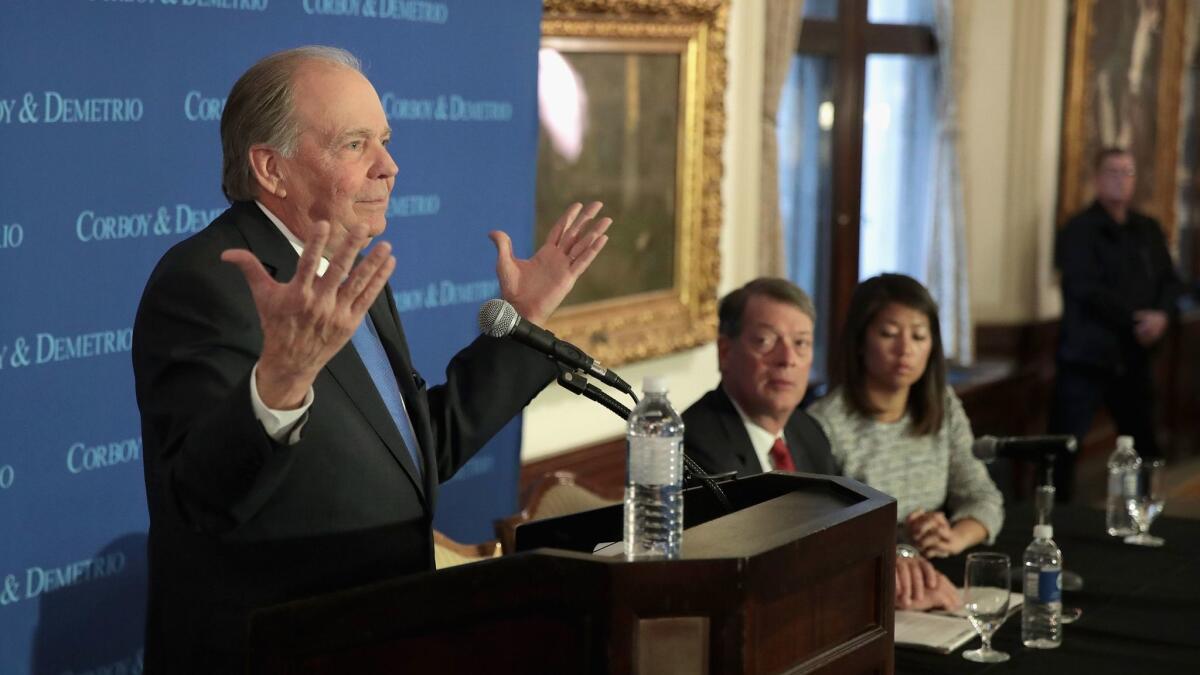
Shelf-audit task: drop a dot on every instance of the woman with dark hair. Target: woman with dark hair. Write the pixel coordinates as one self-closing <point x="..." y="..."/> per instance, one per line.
<point x="893" y="423"/>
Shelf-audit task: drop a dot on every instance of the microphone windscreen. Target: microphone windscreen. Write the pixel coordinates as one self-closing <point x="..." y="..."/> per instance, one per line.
<point x="497" y="318"/>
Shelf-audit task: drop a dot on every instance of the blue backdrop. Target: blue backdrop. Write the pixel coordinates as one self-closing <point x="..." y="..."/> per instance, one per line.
<point x="109" y="154"/>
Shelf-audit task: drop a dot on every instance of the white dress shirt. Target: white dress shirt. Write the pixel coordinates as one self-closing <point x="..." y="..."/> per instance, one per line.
<point x="760" y="439"/>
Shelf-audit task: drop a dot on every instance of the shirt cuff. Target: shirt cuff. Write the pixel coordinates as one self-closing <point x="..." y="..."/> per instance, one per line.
<point x="283" y="426"/>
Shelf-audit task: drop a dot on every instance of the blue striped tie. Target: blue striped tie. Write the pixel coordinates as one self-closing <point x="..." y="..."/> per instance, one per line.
<point x="370" y="350"/>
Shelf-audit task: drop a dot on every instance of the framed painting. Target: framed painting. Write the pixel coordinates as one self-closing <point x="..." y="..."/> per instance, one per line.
<point x="1124" y="72"/>
<point x="630" y="107"/>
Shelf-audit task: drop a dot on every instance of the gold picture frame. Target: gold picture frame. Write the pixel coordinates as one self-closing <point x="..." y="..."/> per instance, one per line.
<point x="646" y="87"/>
<point x="1124" y="70"/>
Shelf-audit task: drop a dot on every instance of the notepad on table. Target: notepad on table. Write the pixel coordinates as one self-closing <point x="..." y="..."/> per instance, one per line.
<point x="939" y="630"/>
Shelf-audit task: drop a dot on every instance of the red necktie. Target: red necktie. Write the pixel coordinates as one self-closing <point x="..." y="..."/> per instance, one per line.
<point x="780" y="457"/>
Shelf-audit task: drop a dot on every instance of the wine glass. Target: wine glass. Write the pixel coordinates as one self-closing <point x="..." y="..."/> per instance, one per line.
<point x="985" y="599"/>
<point x="1145" y="506"/>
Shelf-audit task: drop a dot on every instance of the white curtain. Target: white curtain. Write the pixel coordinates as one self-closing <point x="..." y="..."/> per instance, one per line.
<point x="947" y="276"/>
<point x="781" y="37"/>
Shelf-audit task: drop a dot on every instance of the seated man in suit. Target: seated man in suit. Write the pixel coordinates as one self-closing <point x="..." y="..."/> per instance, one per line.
<point x="752" y="421"/>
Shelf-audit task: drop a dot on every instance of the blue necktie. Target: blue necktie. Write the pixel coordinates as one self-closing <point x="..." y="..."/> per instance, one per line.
<point x="370" y="350"/>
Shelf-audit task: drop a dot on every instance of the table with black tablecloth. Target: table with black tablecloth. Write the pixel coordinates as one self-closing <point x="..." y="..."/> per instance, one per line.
<point x="1141" y="606"/>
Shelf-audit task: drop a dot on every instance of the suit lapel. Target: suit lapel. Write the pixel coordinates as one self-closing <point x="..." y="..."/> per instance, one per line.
<point x="265" y="241"/>
<point x="391" y="334"/>
<point x="346" y="367"/>
<point x="810" y="451"/>
<point x="739" y="439"/>
<point x="799" y="457"/>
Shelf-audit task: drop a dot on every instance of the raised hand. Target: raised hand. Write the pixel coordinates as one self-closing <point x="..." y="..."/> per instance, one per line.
<point x="536" y="286"/>
<point x="306" y="321"/>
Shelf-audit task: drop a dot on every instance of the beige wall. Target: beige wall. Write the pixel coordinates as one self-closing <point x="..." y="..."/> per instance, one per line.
<point x="1011" y="109"/>
<point x="1011" y="115"/>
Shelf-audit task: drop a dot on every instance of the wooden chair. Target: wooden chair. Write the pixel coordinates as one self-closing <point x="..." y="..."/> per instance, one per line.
<point x="448" y="553"/>
<point x="554" y="494"/>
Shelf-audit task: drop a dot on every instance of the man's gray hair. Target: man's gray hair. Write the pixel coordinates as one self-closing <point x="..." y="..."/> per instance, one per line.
<point x="261" y="109"/>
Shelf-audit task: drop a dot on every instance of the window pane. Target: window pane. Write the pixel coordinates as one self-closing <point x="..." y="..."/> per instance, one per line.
<point x="900" y="11"/>
<point x="821" y="9"/>
<point x="899" y="133"/>
<point x="805" y="136"/>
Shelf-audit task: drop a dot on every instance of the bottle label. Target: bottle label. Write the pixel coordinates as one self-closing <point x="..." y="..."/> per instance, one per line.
<point x="655" y="461"/>
<point x="1049" y="585"/>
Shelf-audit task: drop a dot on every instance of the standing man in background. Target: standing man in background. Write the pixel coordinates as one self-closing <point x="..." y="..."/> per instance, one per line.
<point x="1119" y="290"/>
<point x="290" y="447"/>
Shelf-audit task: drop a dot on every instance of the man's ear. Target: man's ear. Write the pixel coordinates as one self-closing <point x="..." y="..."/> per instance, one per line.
<point x="724" y="344"/>
<point x="264" y="163"/>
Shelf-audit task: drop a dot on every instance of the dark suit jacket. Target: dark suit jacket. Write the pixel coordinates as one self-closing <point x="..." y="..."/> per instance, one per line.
<point x="716" y="439"/>
<point x="238" y="521"/>
<point x="1110" y="270"/>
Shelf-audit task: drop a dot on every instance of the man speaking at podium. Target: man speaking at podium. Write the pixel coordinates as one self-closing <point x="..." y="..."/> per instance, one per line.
<point x="290" y="447"/>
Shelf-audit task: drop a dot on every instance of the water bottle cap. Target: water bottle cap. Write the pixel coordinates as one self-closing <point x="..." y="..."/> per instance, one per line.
<point x="654" y="384"/>
<point x="1043" y="531"/>
<point x="1125" y="442"/>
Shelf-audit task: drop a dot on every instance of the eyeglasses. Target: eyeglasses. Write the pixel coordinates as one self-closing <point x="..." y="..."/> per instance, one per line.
<point x="764" y="340"/>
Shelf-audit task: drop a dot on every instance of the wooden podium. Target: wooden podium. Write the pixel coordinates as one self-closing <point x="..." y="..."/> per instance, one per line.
<point x="797" y="579"/>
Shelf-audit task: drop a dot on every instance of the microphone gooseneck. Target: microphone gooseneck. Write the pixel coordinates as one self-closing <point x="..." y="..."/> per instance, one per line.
<point x="578" y="384"/>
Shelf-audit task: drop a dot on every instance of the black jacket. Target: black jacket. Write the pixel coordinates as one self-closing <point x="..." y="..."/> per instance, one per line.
<point x="238" y="521"/>
<point x="715" y="437"/>
<point x="1110" y="270"/>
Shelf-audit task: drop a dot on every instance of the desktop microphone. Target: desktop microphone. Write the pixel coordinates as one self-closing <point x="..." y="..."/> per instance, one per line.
<point x="499" y="319"/>
<point x="988" y="448"/>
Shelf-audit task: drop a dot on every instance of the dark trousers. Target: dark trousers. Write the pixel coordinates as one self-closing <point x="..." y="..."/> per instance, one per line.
<point x="1078" y="393"/>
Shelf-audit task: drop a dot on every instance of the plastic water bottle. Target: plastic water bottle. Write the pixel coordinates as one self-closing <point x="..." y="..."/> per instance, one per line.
<point x="1041" y="613"/>
<point x="1123" y="465"/>
<point x="654" y="476"/>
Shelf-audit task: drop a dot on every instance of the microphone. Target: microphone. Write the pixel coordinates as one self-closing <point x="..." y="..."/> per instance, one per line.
<point x="988" y="448"/>
<point x="498" y="319"/>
